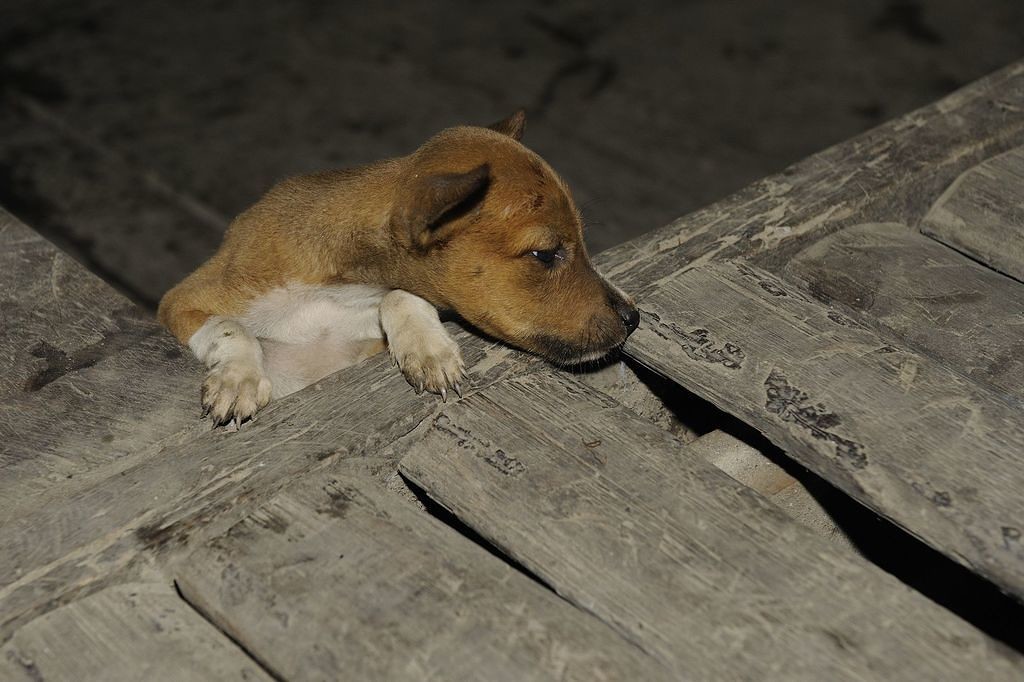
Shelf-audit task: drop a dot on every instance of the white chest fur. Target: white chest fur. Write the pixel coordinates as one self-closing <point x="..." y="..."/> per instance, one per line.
<point x="294" y="336"/>
<point x="309" y="332"/>
<point x="306" y="332"/>
<point x="303" y="314"/>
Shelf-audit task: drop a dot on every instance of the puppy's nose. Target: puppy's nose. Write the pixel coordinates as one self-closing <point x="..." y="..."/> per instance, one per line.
<point x="630" y="316"/>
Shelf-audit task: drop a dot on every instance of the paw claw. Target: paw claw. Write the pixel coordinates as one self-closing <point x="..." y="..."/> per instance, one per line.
<point x="234" y="393"/>
<point x="420" y="346"/>
<point x="435" y="372"/>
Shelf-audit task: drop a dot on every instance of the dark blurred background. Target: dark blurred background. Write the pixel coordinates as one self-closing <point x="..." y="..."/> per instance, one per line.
<point x="131" y="132"/>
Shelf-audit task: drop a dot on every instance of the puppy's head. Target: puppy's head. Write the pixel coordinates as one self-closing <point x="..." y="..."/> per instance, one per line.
<point x="492" y="232"/>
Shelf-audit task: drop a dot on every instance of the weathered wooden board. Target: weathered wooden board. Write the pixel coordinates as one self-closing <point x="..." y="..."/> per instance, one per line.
<point x="96" y="420"/>
<point x="100" y="208"/>
<point x="126" y="632"/>
<point x="692" y="566"/>
<point x="742" y="462"/>
<point x="648" y="394"/>
<point x="55" y="316"/>
<point x="195" y="489"/>
<point x="937" y="453"/>
<point x="335" y="578"/>
<point x="754" y="470"/>
<point x="161" y="503"/>
<point x="87" y="379"/>
<point x="931" y="297"/>
<point x="982" y="213"/>
<point x="89" y="382"/>
<point x="891" y="173"/>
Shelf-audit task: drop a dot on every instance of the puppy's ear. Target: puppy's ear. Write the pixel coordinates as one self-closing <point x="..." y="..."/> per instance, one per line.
<point x="513" y="126"/>
<point x="426" y="211"/>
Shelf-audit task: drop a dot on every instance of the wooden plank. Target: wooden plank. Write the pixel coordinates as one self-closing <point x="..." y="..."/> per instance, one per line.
<point x="742" y="462"/>
<point x="982" y="213"/>
<point x="335" y="578"/>
<point x="96" y="420"/>
<point x="116" y="216"/>
<point x="935" y="452"/>
<point x="55" y="316"/>
<point x="189" y="491"/>
<point x="649" y="395"/>
<point x="694" y="567"/>
<point x="891" y="173"/>
<point x="71" y="550"/>
<point x="931" y="297"/>
<point x="126" y="632"/>
<point x="89" y="382"/>
<point x="756" y="471"/>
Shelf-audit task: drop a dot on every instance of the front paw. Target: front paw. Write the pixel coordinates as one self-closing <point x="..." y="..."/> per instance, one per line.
<point x="433" y="363"/>
<point x="234" y="391"/>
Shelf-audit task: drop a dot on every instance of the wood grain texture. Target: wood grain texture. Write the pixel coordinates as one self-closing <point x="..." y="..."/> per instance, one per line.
<point x="185" y="492"/>
<point x="125" y="632"/>
<point x="163" y="505"/>
<point x="935" y="452"/>
<point x="891" y="173"/>
<point x="982" y="213"/>
<point x="931" y="297"/>
<point x="756" y="471"/>
<point x="694" y="567"/>
<point x="95" y="421"/>
<point x="89" y="382"/>
<point x="335" y="578"/>
<point x="99" y="207"/>
<point x="55" y="316"/>
<point x="649" y="395"/>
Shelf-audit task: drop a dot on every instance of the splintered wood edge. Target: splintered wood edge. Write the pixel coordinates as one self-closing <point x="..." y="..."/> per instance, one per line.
<point x="966" y="219"/>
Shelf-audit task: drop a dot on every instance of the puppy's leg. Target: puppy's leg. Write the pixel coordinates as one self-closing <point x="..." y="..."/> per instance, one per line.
<point x="236" y="385"/>
<point x="202" y="312"/>
<point x="428" y="357"/>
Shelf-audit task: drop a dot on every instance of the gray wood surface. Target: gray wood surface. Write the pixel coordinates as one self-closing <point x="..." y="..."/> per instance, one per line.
<point x="697" y="569"/>
<point x="95" y="421"/>
<point x="162" y="505"/>
<point x="102" y="208"/>
<point x="891" y="173"/>
<point x="935" y="452"/>
<point x="188" y="491"/>
<point x="125" y="632"/>
<point x="55" y="316"/>
<point x="88" y="382"/>
<point x="335" y="578"/>
<point x="982" y="213"/>
<point x="932" y="298"/>
<point x="650" y="395"/>
<point x="756" y="471"/>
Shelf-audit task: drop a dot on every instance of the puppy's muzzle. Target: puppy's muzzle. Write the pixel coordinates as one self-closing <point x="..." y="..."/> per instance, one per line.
<point x="627" y="312"/>
<point x="629" y="315"/>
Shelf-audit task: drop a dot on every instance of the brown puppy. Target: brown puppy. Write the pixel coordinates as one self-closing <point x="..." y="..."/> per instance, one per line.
<point x="326" y="267"/>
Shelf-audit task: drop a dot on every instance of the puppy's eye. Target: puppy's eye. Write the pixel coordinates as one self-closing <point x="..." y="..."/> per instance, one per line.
<point x="548" y="256"/>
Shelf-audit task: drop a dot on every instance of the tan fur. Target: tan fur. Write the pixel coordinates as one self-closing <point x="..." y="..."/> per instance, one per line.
<point x="454" y="223"/>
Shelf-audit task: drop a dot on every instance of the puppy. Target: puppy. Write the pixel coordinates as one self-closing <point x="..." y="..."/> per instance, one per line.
<point x="326" y="269"/>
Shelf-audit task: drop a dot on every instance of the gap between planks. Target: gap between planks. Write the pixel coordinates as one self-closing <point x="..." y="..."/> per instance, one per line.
<point x="898" y="431"/>
<point x="708" y="576"/>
